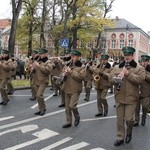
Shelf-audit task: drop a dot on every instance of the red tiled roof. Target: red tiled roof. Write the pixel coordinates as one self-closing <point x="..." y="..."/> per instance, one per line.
<point x="4" y="23"/>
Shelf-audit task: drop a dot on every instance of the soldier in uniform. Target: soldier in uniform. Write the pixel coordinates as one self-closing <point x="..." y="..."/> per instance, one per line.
<point x="127" y="77"/>
<point x="102" y="70"/>
<point x="88" y="78"/>
<point x="10" y="88"/>
<point x="5" y="67"/>
<point x="34" y="58"/>
<point x="66" y="60"/>
<point x="41" y="71"/>
<point x="74" y="75"/>
<point x="144" y="99"/>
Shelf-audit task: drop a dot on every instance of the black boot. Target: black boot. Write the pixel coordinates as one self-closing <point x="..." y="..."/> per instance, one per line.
<point x="130" y="125"/>
<point x="118" y="142"/>
<point x="67" y="125"/>
<point x="98" y="114"/>
<point x="145" y="110"/>
<point x="77" y="121"/>
<point x="128" y="138"/>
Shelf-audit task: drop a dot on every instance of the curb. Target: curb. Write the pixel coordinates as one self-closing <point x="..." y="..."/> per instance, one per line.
<point x="25" y="87"/>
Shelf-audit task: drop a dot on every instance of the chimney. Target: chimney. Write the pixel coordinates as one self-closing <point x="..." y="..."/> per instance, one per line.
<point x="117" y="18"/>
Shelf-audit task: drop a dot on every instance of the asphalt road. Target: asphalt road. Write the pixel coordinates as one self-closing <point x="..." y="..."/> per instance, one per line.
<point x="21" y="129"/>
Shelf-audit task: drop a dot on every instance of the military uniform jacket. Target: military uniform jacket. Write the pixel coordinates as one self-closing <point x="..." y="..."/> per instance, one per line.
<point x="42" y="72"/>
<point x="88" y="73"/>
<point x="103" y="71"/>
<point x="145" y="87"/>
<point x="5" y="69"/>
<point x="129" y="90"/>
<point x="73" y="82"/>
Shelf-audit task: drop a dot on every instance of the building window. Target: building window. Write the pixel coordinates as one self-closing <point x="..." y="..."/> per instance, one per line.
<point x="113" y="44"/>
<point x="131" y="43"/>
<point x="103" y="46"/>
<point x="121" y="44"/>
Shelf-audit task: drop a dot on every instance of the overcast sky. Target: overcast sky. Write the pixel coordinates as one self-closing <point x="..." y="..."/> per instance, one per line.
<point x="135" y="11"/>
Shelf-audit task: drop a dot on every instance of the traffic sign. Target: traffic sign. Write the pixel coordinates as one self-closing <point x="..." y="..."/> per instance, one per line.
<point x="64" y="43"/>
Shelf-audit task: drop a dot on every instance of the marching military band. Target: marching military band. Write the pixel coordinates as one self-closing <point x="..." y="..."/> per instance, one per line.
<point x="130" y="80"/>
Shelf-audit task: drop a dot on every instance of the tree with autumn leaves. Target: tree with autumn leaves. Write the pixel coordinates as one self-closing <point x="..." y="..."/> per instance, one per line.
<point x="57" y="19"/>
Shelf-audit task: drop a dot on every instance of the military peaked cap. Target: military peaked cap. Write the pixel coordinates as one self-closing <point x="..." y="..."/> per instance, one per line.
<point x="5" y="51"/>
<point x="104" y="56"/>
<point x="76" y="53"/>
<point x="35" y="52"/>
<point x="43" y="51"/>
<point x="128" y="49"/>
<point x="67" y="51"/>
<point x="145" y="57"/>
<point x="99" y="51"/>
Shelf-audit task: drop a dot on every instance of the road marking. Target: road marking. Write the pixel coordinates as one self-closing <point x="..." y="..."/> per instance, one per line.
<point x="101" y="118"/>
<point x="23" y="129"/>
<point x="41" y="135"/>
<point x="76" y="146"/>
<point x="57" y="144"/>
<point x="45" y="116"/>
<point x="98" y="149"/>
<point x="6" y="118"/>
<point x="36" y="105"/>
<point x="24" y="95"/>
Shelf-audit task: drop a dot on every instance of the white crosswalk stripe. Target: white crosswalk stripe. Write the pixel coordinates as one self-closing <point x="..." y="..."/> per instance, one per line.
<point x="76" y="146"/>
<point x="6" y="118"/>
<point x="54" y="145"/>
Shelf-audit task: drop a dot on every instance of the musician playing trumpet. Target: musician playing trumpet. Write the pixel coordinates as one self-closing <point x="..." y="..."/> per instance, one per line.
<point x="102" y="70"/>
<point x="127" y="95"/>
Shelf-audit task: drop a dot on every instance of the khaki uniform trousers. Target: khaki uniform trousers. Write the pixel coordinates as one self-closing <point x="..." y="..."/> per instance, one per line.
<point x="10" y="87"/>
<point x="125" y="112"/>
<point x="71" y="101"/>
<point x="87" y="86"/>
<point x="33" y="91"/>
<point x="62" y="93"/>
<point x="3" y="83"/>
<point x="40" y="89"/>
<point x="144" y="102"/>
<point x="102" y="104"/>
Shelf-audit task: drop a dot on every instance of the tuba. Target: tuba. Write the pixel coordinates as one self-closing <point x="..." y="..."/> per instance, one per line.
<point x="96" y="81"/>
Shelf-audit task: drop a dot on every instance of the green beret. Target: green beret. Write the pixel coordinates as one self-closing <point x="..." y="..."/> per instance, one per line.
<point x="43" y="51"/>
<point x="5" y="51"/>
<point x="99" y="51"/>
<point x="104" y="56"/>
<point x="145" y="57"/>
<point x="67" y="51"/>
<point x="128" y="49"/>
<point x="35" y="52"/>
<point x="76" y="53"/>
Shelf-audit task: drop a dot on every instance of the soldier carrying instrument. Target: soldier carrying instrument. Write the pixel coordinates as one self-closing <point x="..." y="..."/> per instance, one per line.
<point x="74" y="75"/>
<point x="144" y="98"/>
<point x="5" y="67"/>
<point x="127" y="95"/>
<point x="41" y="70"/>
<point x="102" y="83"/>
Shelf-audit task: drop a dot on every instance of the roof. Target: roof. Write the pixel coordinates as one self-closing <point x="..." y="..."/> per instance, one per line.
<point x="4" y="23"/>
<point x="122" y="24"/>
